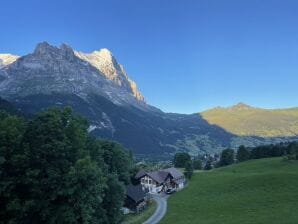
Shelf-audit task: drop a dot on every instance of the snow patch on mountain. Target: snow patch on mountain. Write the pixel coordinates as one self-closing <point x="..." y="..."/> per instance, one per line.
<point x="6" y="59"/>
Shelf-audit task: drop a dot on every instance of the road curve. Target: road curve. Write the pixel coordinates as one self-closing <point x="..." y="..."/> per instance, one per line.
<point x="161" y="210"/>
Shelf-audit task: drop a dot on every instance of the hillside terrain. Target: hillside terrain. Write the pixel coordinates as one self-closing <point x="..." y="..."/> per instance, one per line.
<point x="244" y="120"/>
<point x="97" y="87"/>
<point x="257" y="191"/>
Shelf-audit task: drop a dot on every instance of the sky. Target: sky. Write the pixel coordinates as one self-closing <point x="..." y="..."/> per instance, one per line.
<point x="185" y="55"/>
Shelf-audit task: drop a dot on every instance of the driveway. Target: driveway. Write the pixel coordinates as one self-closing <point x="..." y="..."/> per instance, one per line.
<point x="161" y="210"/>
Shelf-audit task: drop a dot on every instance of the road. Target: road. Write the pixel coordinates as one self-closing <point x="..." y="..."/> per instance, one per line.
<point x="161" y="210"/>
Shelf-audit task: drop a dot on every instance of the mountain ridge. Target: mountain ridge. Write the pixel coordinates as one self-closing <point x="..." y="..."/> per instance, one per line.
<point x="242" y="105"/>
<point x="244" y="120"/>
<point x="66" y="72"/>
<point x="97" y="87"/>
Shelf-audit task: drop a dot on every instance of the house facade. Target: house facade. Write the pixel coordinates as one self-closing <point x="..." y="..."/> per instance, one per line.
<point x="159" y="181"/>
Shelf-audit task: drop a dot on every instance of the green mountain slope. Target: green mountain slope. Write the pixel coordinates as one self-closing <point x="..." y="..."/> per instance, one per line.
<point x="258" y="191"/>
<point x="243" y="120"/>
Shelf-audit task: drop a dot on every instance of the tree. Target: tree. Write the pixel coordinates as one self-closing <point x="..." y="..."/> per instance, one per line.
<point x="208" y="165"/>
<point x="242" y="154"/>
<point x="52" y="171"/>
<point x="180" y="159"/>
<point x="227" y="157"/>
<point x="117" y="160"/>
<point x="11" y="165"/>
<point x="197" y="164"/>
<point x="188" y="169"/>
<point x="293" y="150"/>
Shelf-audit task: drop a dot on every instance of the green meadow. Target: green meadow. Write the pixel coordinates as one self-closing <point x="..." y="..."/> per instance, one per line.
<point x="257" y="191"/>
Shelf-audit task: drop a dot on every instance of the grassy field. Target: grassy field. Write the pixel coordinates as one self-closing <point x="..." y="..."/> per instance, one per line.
<point x="258" y="191"/>
<point x="251" y="121"/>
<point x="141" y="217"/>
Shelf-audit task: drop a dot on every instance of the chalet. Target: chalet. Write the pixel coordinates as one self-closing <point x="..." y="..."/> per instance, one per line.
<point x="136" y="198"/>
<point x="158" y="181"/>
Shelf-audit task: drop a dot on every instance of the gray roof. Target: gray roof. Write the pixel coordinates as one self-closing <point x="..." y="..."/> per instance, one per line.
<point x="135" y="192"/>
<point x="175" y="173"/>
<point x="161" y="175"/>
<point x="140" y="174"/>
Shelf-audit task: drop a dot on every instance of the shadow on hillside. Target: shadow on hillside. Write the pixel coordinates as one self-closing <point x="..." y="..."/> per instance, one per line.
<point x="150" y="133"/>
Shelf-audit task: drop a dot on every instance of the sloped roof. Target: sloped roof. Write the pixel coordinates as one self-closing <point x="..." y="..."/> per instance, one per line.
<point x="161" y="175"/>
<point x="174" y="172"/>
<point x="158" y="176"/>
<point x="135" y="192"/>
<point x="140" y="174"/>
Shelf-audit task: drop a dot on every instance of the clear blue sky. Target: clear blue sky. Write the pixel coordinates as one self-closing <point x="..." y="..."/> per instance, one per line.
<point x="185" y="55"/>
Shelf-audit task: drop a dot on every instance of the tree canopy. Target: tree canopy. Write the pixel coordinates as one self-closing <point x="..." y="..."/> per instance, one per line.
<point x="181" y="159"/>
<point x="242" y="154"/>
<point x="227" y="157"/>
<point x="52" y="171"/>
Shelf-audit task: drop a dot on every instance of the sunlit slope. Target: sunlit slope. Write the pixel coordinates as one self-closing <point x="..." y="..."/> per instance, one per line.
<point x="259" y="191"/>
<point x="244" y="120"/>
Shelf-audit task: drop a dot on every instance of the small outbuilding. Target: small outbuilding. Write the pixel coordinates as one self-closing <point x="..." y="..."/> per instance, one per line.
<point x="136" y="198"/>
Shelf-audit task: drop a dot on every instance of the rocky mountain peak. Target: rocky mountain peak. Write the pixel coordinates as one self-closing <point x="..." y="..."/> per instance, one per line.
<point x="104" y="53"/>
<point x="6" y="59"/>
<point x="67" y="51"/>
<point x="107" y="64"/>
<point x="43" y="47"/>
<point x="50" y="69"/>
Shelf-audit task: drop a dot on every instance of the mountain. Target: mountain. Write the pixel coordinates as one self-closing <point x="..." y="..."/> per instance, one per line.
<point x="97" y="87"/>
<point x="6" y="59"/>
<point x="105" y="62"/>
<point x="58" y="70"/>
<point x="244" y="120"/>
<point x="9" y="108"/>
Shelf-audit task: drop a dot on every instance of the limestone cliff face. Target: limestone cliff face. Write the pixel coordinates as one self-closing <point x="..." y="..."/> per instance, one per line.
<point x="51" y="69"/>
<point x="107" y="64"/>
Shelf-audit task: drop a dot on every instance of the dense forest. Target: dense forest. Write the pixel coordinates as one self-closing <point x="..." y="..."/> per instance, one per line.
<point x="52" y="171"/>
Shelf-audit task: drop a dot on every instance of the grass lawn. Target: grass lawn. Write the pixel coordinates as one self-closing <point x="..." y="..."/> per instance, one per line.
<point x="141" y="217"/>
<point x="255" y="192"/>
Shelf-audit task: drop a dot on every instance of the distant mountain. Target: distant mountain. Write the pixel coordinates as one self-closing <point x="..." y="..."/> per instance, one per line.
<point x="244" y="120"/>
<point x="97" y="87"/>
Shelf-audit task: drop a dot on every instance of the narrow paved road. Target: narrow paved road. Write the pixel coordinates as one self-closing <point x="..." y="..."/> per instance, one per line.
<point x="161" y="210"/>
